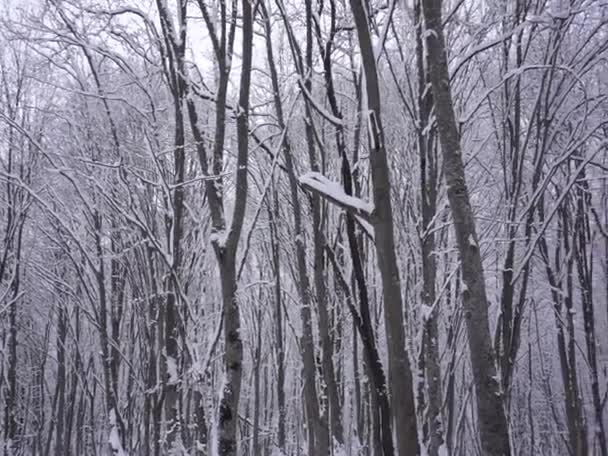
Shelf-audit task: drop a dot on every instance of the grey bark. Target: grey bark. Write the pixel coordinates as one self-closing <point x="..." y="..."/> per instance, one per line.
<point x="273" y="216"/>
<point x="494" y="433"/>
<point x="226" y="239"/>
<point x="318" y="438"/>
<point x="226" y="255"/>
<point x="584" y="265"/>
<point x="400" y="373"/>
<point x="426" y="142"/>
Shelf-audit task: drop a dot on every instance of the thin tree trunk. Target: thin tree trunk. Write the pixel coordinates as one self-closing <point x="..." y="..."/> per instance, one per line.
<point x="257" y="354"/>
<point x="328" y="370"/>
<point x="11" y="422"/>
<point x="565" y="339"/>
<point x="60" y="443"/>
<point x="428" y="202"/>
<point x="318" y="439"/>
<point x="273" y="216"/>
<point x="380" y="425"/>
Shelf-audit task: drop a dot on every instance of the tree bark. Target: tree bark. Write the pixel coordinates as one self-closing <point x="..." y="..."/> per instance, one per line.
<point x="318" y="437"/>
<point x="400" y="373"/>
<point x="426" y="142"/>
<point x="584" y="265"/>
<point x="273" y="217"/>
<point x="491" y="415"/>
<point x="226" y="255"/>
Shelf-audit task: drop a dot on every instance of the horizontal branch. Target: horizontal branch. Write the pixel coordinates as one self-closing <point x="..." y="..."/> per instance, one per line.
<point x="332" y="191"/>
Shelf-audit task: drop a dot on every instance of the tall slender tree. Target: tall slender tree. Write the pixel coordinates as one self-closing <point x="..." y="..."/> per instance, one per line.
<point x="493" y="425"/>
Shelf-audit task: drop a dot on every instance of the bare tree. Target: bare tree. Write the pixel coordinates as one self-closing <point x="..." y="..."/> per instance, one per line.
<point x="492" y="420"/>
<point x="399" y="369"/>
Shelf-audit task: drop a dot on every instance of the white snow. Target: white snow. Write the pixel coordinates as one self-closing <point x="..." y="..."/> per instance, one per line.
<point x="465" y="287"/>
<point x="339" y="449"/>
<point x="563" y="14"/>
<point x="376" y="44"/>
<point x="114" y="437"/>
<point x="429" y="32"/>
<point x="334" y="192"/>
<point x="366" y="226"/>
<point x="213" y="439"/>
<point x="276" y="451"/>
<point x="472" y="242"/>
<point x="219" y="238"/>
<point x="536" y="19"/>
<point x="172" y="370"/>
<point x="426" y="312"/>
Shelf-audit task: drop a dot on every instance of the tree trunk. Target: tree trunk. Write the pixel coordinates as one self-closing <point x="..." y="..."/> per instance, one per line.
<point x="491" y="415"/>
<point x="428" y="201"/>
<point x="329" y="375"/>
<point x="226" y="256"/>
<point x="400" y="373"/>
<point x="273" y="216"/>
<point x="318" y="438"/>
<point x="61" y="445"/>
<point x="562" y="295"/>
<point x="584" y="262"/>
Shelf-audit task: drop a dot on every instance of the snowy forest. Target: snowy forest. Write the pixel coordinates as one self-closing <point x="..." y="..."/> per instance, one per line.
<point x="303" y="227"/>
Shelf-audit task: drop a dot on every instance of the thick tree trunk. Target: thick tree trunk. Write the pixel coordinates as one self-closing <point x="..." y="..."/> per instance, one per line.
<point x="380" y="428"/>
<point x="170" y="320"/>
<point x="400" y="373"/>
<point x="233" y="356"/>
<point x="491" y="415"/>
<point x="226" y="256"/>
<point x="381" y="421"/>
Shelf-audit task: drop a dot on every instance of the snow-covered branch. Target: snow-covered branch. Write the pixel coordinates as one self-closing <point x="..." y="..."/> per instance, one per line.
<point x="332" y="191"/>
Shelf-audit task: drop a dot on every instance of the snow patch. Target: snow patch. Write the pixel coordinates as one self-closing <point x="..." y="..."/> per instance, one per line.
<point x="465" y="287"/>
<point x="366" y="226"/>
<point x="276" y="451"/>
<point x="426" y="311"/>
<point x="333" y="191"/>
<point x="429" y="32"/>
<point x="219" y="238"/>
<point x="214" y="437"/>
<point x="472" y="241"/>
<point x="114" y="437"/>
<point x="172" y="370"/>
<point x="562" y="15"/>
<point x="376" y="45"/>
